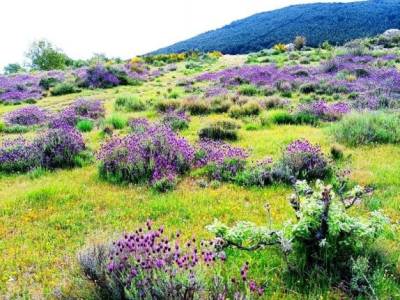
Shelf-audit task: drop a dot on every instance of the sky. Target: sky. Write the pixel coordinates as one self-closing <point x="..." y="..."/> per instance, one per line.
<point x="117" y="28"/>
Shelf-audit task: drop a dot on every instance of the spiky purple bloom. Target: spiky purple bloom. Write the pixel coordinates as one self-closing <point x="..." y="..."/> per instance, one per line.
<point x="18" y="155"/>
<point x="324" y="110"/>
<point x="149" y="263"/>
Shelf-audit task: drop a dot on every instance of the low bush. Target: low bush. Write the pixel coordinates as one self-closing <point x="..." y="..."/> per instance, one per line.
<point x="196" y="106"/>
<point x="149" y="264"/>
<point x="145" y="156"/>
<point x="167" y="105"/>
<point x="220" y="130"/>
<point x="55" y="148"/>
<point x="64" y="88"/>
<point x="251" y="108"/>
<point x="367" y="128"/>
<point x="26" y="116"/>
<point x="59" y="147"/>
<point x="220" y="104"/>
<point x="18" y="155"/>
<point x="286" y="118"/>
<point x="129" y="104"/>
<point x="302" y="160"/>
<point x="176" y="120"/>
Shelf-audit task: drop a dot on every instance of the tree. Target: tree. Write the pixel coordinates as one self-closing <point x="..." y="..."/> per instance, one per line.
<point x="42" y="55"/>
<point x="13" y="68"/>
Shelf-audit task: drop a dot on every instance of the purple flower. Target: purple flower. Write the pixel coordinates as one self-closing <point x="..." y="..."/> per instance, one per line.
<point x="27" y="116"/>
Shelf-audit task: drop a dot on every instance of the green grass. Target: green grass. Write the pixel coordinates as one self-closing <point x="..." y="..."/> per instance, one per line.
<point x="47" y="217"/>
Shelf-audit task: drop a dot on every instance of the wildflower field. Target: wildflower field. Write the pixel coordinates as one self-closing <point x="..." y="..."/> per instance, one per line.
<point x="204" y="176"/>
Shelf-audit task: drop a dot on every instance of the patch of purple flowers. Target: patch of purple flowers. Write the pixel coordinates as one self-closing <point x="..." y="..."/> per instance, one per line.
<point x="26" y="116"/>
<point x="152" y="266"/>
<point x="324" y="110"/>
<point x="302" y="160"/>
<point x="55" y="148"/>
<point x="148" y="155"/>
<point x="80" y="109"/>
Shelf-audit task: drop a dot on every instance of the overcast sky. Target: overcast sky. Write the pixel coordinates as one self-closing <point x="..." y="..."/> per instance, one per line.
<point x="120" y="28"/>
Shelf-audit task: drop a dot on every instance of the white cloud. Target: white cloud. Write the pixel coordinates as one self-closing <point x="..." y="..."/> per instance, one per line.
<point x="117" y="28"/>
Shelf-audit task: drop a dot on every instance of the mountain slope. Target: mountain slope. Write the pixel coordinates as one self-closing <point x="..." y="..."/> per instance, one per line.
<point x="336" y="22"/>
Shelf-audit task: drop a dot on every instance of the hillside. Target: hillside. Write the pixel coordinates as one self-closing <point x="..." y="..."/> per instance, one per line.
<point x="336" y="22"/>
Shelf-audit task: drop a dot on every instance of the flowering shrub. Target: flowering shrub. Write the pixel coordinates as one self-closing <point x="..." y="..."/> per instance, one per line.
<point x="139" y="124"/>
<point x="147" y="264"/>
<point x="78" y="110"/>
<point x="19" y="88"/>
<point x="147" y="155"/>
<point x="177" y="120"/>
<point x="56" y="148"/>
<point x="18" y="155"/>
<point x="325" y="111"/>
<point x="59" y="147"/>
<point x="27" y="116"/>
<point x="302" y="160"/>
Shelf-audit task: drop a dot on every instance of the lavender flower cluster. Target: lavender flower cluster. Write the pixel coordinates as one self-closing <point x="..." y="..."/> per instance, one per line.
<point x="79" y="109"/>
<point x="148" y="155"/>
<point x="56" y="148"/>
<point x="151" y="266"/>
<point x="26" y="116"/>
<point x="19" y="88"/>
<point x="211" y="151"/>
<point x="302" y="160"/>
<point x="324" y="110"/>
<point x="177" y="120"/>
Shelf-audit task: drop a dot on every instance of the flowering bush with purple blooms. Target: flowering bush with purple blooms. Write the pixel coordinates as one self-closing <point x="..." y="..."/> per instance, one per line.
<point x="78" y="110"/>
<point x="324" y="110"/>
<point x="302" y="160"/>
<point x="56" y="148"/>
<point x="145" y="156"/>
<point x="139" y="124"/>
<point x="59" y="147"/>
<point x="177" y="120"/>
<point x="26" y="116"/>
<point x="19" y="88"/>
<point x="147" y="264"/>
<point x="18" y="155"/>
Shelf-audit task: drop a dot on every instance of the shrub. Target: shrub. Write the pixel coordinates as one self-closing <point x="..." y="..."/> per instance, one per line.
<point x="322" y="110"/>
<point x="15" y="129"/>
<point x="226" y="170"/>
<point x="196" y="106"/>
<point x="167" y="105"/>
<point x="78" y="110"/>
<point x="248" y="90"/>
<point x="145" y="156"/>
<point x="367" y="128"/>
<point x="176" y="120"/>
<point x="18" y="155"/>
<point x="164" y="184"/>
<point x="299" y="42"/>
<point x="282" y="117"/>
<point x="275" y="102"/>
<point x="259" y="174"/>
<point x="220" y="104"/>
<point x="337" y="152"/>
<point x="220" y="130"/>
<point x="148" y="264"/>
<point x="117" y="121"/>
<point x="85" y="125"/>
<point x="248" y="109"/>
<point x="56" y="148"/>
<point x="325" y="240"/>
<point x="26" y="116"/>
<point x="139" y="124"/>
<point x="302" y="160"/>
<point x="129" y="104"/>
<point x="64" y="88"/>
<point x="59" y="147"/>
<point x="99" y="76"/>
